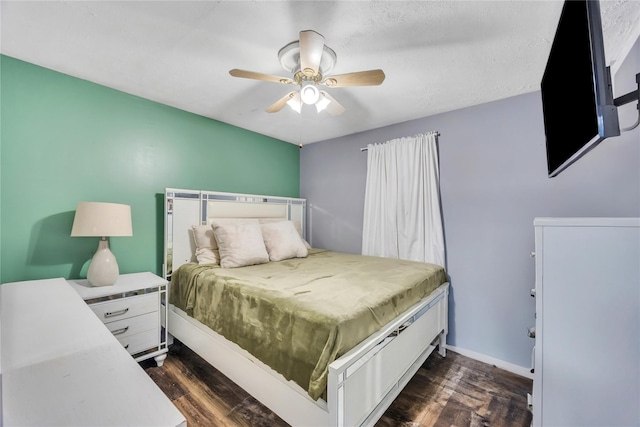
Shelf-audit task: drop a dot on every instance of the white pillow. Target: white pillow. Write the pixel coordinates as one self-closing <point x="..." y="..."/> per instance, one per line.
<point x="283" y="241"/>
<point x="206" y="246"/>
<point x="240" y="243"/>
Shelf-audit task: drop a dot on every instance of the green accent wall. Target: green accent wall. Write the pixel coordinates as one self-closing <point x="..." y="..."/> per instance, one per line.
<point x="65" y="140"/>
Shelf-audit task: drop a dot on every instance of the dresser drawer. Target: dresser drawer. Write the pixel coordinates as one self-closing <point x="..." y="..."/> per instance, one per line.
<point x="124" y="308"/>
<point x="133" y="325"/>
<point x="142" y="341"/>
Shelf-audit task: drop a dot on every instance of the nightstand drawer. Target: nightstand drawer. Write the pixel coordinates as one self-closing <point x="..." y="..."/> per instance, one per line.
<point x="124" y="308"/>
<point x="140" y="342"/>
<point x="133" y="325"/>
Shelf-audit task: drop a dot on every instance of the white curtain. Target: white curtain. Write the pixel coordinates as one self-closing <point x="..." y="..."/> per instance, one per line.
<point x="402" y="200"/>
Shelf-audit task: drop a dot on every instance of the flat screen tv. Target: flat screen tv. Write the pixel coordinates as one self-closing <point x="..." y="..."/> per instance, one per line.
<point x="577" y="96"/>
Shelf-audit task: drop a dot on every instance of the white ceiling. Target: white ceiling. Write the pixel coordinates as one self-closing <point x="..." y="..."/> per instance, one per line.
<point x="438" y="56"/>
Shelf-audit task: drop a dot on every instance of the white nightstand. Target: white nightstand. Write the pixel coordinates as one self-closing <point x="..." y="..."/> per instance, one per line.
<point x="134" y="309"/>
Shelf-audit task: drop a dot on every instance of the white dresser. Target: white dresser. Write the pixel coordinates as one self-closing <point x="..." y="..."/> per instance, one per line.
<point x="62" y="367"/>
<point x="587" y="339"/>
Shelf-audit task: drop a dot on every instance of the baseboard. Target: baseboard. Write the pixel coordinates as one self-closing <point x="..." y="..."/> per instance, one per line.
<point x="518" y="370"/>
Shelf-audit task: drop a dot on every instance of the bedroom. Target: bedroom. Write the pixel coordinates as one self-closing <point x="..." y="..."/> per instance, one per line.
<point x="128" y="149"/>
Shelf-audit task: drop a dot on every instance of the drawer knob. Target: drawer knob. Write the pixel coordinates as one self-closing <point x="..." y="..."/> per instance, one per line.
<point x="116" y="313"/>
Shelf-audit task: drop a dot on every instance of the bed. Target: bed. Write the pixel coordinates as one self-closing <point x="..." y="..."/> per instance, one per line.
<point x="324" y="338"/>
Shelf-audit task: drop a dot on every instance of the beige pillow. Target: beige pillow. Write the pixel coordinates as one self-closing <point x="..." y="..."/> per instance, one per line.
<point x="240" y="243"/>
<point x="297" y="224"/>
<point x="206" y="246"/>
<point x="283" y="241"/>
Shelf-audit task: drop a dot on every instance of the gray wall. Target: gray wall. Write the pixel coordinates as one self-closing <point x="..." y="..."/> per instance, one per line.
<point x="493" y="184"/>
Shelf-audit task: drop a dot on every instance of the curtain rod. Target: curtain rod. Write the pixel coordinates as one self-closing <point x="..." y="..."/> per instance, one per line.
<point x="435" y="132"/>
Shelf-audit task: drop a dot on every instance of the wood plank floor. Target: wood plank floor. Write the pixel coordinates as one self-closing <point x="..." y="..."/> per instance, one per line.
<point x="454" y="391"/>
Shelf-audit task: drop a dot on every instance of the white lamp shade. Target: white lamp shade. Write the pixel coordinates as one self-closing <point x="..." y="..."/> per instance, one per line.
<point x="322" y="103"/>
<point x="309" y="94"/>
<point x="295" y="103"/>
<point x="97" y="219"/>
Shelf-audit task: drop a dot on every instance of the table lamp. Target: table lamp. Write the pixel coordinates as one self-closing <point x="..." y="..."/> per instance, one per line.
<point x="97" y="219"/>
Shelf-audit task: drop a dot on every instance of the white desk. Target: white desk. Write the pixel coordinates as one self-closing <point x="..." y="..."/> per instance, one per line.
<point x="62" y="367"/>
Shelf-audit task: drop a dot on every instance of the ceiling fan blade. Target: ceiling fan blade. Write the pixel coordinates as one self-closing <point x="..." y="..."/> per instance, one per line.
<point x="359" y="78"/>
<point x="260" y="76"/>
<point x="334" y="108"/>
<point x="280" y="103"/>
<point x="311" y="48"/>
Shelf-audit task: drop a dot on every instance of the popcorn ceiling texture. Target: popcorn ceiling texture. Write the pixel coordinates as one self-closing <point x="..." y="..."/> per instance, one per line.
<point x="438" y="56"/>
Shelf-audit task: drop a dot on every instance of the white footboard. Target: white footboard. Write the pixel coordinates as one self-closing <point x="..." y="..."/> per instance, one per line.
<point x="361" y="384"/>
<point x="364" y="382"/>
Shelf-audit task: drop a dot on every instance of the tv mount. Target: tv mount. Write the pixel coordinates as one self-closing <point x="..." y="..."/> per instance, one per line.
<point x="634" y="95"/>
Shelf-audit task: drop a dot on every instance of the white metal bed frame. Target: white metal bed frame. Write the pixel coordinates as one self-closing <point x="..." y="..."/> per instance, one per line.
<point x="361" y="384"/>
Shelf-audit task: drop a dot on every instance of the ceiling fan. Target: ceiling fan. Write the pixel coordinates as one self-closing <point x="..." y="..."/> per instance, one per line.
<point x="311" y="62"/>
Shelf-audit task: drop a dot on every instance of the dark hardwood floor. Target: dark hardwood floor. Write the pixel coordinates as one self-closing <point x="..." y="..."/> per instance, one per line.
<point x="454" y="391"/>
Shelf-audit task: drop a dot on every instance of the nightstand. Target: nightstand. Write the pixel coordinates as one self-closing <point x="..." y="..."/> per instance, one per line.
<point x="134" y="309"/>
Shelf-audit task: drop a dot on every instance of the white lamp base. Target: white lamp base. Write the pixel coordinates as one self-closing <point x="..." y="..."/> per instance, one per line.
<point x="103" y="270"/>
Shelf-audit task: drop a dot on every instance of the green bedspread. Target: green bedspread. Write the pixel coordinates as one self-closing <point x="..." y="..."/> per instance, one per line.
<point x="299" y="315"/>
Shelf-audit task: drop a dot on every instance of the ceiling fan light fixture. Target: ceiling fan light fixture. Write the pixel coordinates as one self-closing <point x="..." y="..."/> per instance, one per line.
<point x="309" y="94"/>
<point x="310" y="61"/>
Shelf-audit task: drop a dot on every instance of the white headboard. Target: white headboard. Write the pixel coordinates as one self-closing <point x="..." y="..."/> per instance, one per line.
<point x="186" y="208"/>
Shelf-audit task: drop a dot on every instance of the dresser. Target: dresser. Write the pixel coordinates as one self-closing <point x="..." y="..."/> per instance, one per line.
<point x="62" y="367"/>
<point x="134" y="310"/>
<point x="587" y="335"/>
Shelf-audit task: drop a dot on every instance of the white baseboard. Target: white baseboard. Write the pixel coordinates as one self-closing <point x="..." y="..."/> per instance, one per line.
<point x="516" y="369"/>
